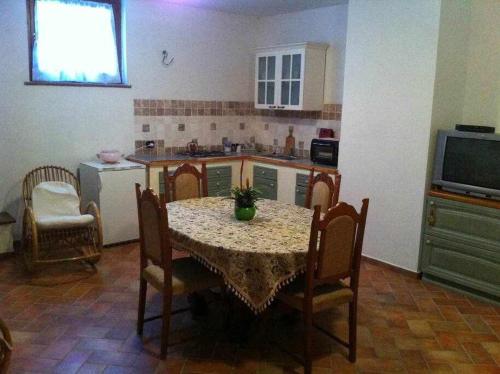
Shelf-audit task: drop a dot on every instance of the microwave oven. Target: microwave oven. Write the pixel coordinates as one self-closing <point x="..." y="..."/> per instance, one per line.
<point x="325" y="151"/>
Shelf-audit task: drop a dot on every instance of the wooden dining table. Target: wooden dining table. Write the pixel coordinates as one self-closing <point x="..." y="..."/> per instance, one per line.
<point x="256" y="258"/>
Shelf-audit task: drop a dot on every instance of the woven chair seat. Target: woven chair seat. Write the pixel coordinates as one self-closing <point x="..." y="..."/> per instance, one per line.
<point x="325" y="297"/>
<point x="187" y="276"/>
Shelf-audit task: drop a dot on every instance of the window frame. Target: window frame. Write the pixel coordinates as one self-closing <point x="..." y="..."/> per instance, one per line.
<point x="117" y="11"/>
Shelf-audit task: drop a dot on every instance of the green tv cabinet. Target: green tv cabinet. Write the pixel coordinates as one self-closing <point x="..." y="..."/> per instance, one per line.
<point x="460" y="245"/>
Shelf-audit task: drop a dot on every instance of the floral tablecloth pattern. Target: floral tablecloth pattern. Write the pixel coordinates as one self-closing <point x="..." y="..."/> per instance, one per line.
<point x="256" y="258"/>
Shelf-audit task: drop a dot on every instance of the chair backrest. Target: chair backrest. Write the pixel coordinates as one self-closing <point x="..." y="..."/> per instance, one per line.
<point x="5" y="347"/>
<point x="55" y="199"/>
<point x="322" y="191"/>
<point x="153" y="229"/>
<point x="187" y="182"/>
<point x="47" y="174"/>
<point x="340" y="235"/>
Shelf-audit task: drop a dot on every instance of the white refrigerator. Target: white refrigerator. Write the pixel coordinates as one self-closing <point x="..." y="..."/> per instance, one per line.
<point x="112" y="187"/>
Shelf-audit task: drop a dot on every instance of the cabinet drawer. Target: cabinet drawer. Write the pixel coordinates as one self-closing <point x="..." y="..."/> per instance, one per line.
<point x="218" y="172"/>
<point x="266" y="173"/>
<point x="473" y="225"/>
<point x="302" y="180"/>
<point x="162" y="182"/>
<point x="219" y="187"/>
<point x="462" y="264"/>
<point x="267" y="188"/>
<point x="219" y="192"/>
<point x="300" y="195"/>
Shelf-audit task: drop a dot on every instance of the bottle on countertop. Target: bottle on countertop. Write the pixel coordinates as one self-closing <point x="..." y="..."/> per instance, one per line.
<point x="290" y="143"/>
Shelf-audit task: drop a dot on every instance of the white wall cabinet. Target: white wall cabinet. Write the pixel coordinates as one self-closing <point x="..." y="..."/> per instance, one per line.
<point x="290" y="77"/>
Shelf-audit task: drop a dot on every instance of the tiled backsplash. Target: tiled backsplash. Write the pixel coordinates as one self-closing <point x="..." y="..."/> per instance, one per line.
<point x="226" y="108"/>
<point x="174" y="123"/>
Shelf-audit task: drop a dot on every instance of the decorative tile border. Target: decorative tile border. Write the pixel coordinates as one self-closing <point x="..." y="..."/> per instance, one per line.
<point x="227" y="108"/>
<point x="161" y="150"/>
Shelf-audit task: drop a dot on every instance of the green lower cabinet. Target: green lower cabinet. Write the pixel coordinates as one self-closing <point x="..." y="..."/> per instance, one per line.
<point x="162" y="182"/>
<point x="219" y="188"/>
<point x="462" y="264"/>
<point x="301" y="183"/>
<point x="300" y="196"/>
<point x="461" y="247"/>
<point x="267" y="188"/>
<point x="266" y="181"/>
<point x="219" y="180"/>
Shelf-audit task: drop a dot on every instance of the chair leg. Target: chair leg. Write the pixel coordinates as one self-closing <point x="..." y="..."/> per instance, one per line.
<point x="307" y="341"/>
<point x="165" y="328"/>
<point x="352" y="331"/>
<point x="143" y="287"/>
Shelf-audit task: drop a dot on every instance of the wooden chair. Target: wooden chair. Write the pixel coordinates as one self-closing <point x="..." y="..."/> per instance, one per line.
<point x="45" y="244"/>
<point x="341" y="234"/>
<point x="170" y="277"/>
<point x="187" y="182"/>
<point x="323" y="191"/>
<point x="5" y="347"/>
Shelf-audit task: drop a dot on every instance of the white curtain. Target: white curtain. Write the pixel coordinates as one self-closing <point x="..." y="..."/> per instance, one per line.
<point x="75" y="41"/>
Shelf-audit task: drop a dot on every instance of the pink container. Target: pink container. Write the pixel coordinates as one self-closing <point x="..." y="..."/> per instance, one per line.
<point x="109" y="156"/>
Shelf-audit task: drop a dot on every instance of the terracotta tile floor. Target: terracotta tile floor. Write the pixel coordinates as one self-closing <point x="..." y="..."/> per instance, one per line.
<point x="69" y="319"/>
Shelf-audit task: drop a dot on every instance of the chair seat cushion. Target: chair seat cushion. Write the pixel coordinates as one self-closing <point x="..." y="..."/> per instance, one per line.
<point x="56" y="205"/>
<point x="325" y="297"/>
<point x="187" y="276"/>
<point x="63" y="222"/>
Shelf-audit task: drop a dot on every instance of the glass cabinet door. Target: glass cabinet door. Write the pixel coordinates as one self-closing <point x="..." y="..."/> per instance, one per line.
<point x="291" y="67"/>
<point x="266" y="80"/>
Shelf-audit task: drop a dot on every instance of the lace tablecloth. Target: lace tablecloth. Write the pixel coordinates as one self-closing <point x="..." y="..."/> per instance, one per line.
<point x="256" y="258"/>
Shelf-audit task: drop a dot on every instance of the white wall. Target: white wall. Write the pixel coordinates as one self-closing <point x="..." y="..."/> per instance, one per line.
<point x="451" y="66"/>
<point x="65" y="125"/>
<point x="482" y="92"/>
<point x="390" y="68"/>
<point x="325" y="25"/>
<point x="213" y="52"/>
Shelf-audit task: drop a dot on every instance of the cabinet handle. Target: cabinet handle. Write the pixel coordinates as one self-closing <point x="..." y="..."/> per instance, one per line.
<point x="263" y="172"/>
<point x="271" y="184"/>
<point x="218" y="172"/>
<point x="272" y="106"/>
<point x="431" y="220"/>
<point x="427" y="241"/>
<point x="281" y="107"/>
<point x="217" y="184"/>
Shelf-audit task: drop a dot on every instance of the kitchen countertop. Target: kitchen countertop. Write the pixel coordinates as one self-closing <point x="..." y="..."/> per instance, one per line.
<point x="166" y="160"/>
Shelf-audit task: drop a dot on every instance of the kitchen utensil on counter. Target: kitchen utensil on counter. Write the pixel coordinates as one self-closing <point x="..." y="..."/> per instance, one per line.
<point x="290" y="143"/>
<point x="192" y="147"/>
<point x="236" y="147"/>
<point x="109" y="156"/>
<point x="227" y="145"/>
<point x="326" y="133"/>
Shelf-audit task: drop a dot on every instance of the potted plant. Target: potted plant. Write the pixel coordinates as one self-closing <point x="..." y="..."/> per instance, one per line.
<point x="244" y="202"/>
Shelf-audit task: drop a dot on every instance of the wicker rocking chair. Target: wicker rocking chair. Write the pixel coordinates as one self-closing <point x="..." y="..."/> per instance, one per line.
<point x="43" y="244"/>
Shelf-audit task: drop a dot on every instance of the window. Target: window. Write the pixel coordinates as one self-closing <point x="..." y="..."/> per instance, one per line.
<point x="75" y="42"/>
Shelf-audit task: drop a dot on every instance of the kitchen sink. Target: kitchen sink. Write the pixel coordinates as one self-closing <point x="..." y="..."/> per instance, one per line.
<point x="279" y="156"/>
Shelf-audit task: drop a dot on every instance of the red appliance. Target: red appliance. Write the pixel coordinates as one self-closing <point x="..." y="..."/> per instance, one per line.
<point x="326" y="133"/>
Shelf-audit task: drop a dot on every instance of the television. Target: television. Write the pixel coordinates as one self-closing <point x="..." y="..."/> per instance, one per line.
<point x="468" y="162"/>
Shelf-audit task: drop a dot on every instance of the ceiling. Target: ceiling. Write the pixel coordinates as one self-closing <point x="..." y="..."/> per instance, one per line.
<point x="259" y="7"/>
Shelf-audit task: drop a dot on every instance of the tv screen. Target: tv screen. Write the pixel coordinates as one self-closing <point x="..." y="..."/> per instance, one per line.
<point x="474" y="162"/>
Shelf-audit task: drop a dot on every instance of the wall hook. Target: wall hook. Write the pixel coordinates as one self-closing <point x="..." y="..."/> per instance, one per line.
<point x="165" y="57"/>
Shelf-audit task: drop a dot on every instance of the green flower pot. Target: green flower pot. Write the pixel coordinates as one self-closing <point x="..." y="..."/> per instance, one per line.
<point x="244" y="214"/>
